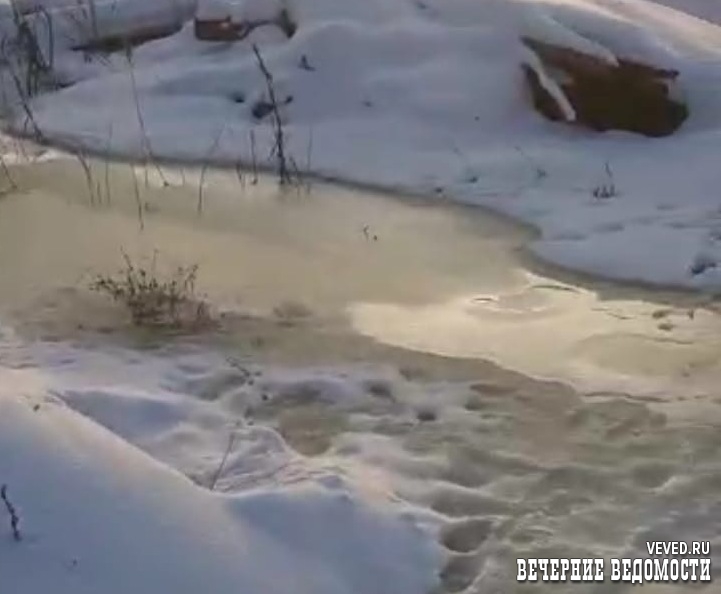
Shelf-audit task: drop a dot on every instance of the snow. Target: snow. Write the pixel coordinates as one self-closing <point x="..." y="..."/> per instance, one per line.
<point x="109" y="454"/>
<point x="97" y="514"/>
<point x="428" y="97"/>
<point x="703" y="9"/>
<point x="497" y="471"/>
<point x="550" y="85"/>
<point x="76" y="22"/>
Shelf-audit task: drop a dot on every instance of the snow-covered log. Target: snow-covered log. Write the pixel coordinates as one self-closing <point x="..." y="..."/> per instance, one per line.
<point x="629" y="95"/>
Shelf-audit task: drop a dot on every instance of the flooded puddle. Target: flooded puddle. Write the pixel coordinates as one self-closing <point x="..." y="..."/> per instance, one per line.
<point x="253" y="243"/>
<point x="564" y="332"/>
<point x="434" y="278"/>
<point x="390" y="341"/>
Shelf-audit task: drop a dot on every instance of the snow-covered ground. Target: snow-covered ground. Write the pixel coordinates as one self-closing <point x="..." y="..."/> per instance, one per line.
<point x="178" y="470"/>
<point x="428" y="96"/>
<point x="705" y="9"/>
<point x="98" y="515"/>
<point x="304" y="463"/>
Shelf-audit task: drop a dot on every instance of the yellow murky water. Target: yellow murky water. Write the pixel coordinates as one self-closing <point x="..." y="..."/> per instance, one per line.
<point x="430" y="277"/>
<point x="327" y="248"/>
<point x="508" y="466"/>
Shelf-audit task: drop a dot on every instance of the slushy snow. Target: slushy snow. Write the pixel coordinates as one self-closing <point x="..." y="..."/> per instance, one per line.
<point x="480" y="473"/>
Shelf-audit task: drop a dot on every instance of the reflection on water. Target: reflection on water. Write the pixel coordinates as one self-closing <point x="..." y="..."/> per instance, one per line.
<point x="560" y="331"/>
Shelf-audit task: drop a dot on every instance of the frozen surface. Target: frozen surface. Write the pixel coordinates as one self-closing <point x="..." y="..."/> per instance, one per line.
<point x="428" y="96"/>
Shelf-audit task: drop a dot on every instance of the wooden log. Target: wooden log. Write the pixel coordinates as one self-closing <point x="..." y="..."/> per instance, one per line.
<point x="227" y="30"/>
<point x="628" y="96"/>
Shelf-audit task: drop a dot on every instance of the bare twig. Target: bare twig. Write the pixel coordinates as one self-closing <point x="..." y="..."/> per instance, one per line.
<point x="228" y="449"/>
<point x="88" y="172"/>
<point x="279" y="148"/>
<point x="108" y="194"/>
<point x="49" y="63"/>
<point x="138" y="200"/>
<point x="607" y="190"/>
<point x="204" y="168"/>
<point x="239" y="174"/>
<point x="6" y="169"/>
<point x="254" y="160"/>
<point x="19" y="147"/>
<point x="84" y="17"/>
<point x="27" y="48"/>
<point x="23" y="57"/>
<point x="12" y="511"/>
<point x="309" y="161"/>
<point x="93" y="18"/>
<point x="25" y="104"/>
<point x="145" y="139"/>
<point x="609" y="171"/>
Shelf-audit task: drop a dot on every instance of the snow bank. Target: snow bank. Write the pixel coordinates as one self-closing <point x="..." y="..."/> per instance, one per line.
<point x="97" y="515"/>
<point x="428" y="96"/>
<point x="500" y="468"/>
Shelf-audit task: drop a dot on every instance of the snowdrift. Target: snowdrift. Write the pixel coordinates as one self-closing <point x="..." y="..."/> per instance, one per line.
<point x="98" y="515"/>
